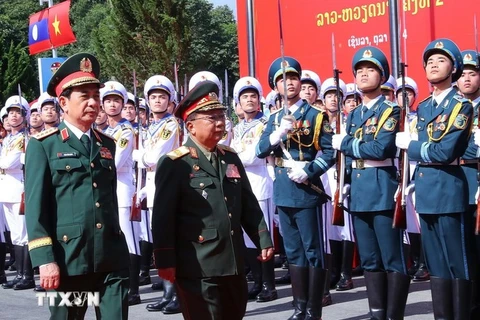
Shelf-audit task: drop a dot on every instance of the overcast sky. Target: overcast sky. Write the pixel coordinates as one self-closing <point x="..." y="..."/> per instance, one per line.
<point x="231" y="3"/>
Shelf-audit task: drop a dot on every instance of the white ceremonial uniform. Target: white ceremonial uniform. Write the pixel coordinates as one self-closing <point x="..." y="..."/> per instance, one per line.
<point x="123" y="133"/>
<point x="245" y="139"/>
<point x="11" y="184"/>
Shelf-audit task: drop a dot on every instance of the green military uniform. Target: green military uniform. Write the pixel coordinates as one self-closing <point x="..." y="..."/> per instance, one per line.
<point x="72" y="208"/>
<point x="197" y="221"/>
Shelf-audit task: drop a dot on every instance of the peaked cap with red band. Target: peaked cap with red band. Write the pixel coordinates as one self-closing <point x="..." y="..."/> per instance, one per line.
<point x="79" y="69"/>
<point x="203" y="97"/>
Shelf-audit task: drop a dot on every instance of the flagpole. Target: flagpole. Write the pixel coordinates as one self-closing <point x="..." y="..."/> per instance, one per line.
<point x="50" y="4"/>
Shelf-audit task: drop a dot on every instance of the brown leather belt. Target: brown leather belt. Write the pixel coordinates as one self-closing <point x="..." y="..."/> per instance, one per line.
<point x="469" y="161"/>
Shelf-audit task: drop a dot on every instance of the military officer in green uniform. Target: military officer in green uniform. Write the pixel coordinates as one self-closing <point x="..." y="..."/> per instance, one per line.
<point x="202" y="201"/>
<point x="72" y="221"/>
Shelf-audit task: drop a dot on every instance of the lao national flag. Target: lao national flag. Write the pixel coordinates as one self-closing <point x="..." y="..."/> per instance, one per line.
<point x="38" y="38"/>
<point x="59" y="25"/>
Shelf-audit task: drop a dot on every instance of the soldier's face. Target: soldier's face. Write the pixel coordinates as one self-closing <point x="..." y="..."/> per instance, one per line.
<point x="49" y="113"/>
<point x="410" y="98"/>
<point x="112" y="104"/>
<point x="388" y="94"/>
<point x="239" y="111"/>
<point x="128" y="112"/>
<point x="331" y="101"/>
<point x="349" y="105"/>
<point x="82" y="108"/>
<point x="208" y="127"/>
<point x="367" y="77"/>
<point x="35" y="119"/>
<point x="469" y="82"/>
<point x="293" y="85"/>
<point x="6" y="124"/>
<point x="308" y="92"/>
<point x="439" y="68"/>
<point x="142" y="114"/>
<point x="15" y="117"/>
<point x="249" y="101"/>
<point x="158" y="101"/>
<point x="101" y="117"/>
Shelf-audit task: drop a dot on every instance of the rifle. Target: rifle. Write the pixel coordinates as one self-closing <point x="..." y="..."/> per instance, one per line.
<point x="477" y="220"/>
<point x="136" y="209"/>
<point x="284" y="74"/>
<point x="24" y="148"/>
<point x="338" y="218"/>
<point x="400" y="216"/>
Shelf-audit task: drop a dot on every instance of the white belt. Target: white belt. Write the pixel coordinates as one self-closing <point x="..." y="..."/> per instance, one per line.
<point x="124" y="169"/>
<point x="284" y="163"/>
<point x="11" y="171"/>
<point x="362" y="164"/>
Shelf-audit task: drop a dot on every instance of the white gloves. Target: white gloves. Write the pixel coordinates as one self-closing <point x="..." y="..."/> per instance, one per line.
<point x="22" y="158"/>
<point x="346" y="190"/>
<point x="142" y="194"/>
<point x="271" y="172"/>
<point x="337" y="140"/>
<point x="403" y="140"/>
<point x="476" y="137"/>
<point x="297" y="175"/>
<point x="285" y="126"/>
<point x="476" y="196"/>
<point x="137" y="155"/>
<point x="408" y="190"/>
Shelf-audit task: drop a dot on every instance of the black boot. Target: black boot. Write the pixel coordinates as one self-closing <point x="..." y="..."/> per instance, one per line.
<point x="316" y="281"/>
<point x="18" y="265"/>
<point x="146" y="249"/>
<point x="168" y="291"/>
<point x="376" y="283"/>
<point x="299" y="277"/>
<point x="10" y="264"/>
<point x="327" y="298"/>
<point x="422" y="273"/>
<point x="256" y="270"/>
<point x="268" y="293"/>
<point x="346" y="282"/>
<point x="334" y="269"/>
<point x="398" y="285"/>
<point x="133" y="295"/>
<point x="173" y="306"/>
<point x="442" y="300"/>
<point x="28" y="281"/>
<point x="462" y="298"/>
<point x="285" y="279"/>
<point x="414" y="256"/>
<point x="3" y="253"/>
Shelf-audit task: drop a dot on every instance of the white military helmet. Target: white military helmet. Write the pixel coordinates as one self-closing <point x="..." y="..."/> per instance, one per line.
<point x="330" y="85"/>
<point x="18" y="102"/>
<point x="35" y="107"/>
<point x="313" y="78"/>
<point x="45" y="98"/>
<point x="246" y="83"/>
<point x="113" y="88"/>
<point x="391" y="84"/>
<point x="3" y="114"/>
<point x="409" y="83"/>
<point x="130" y="97"/>
<point x="270" y="99"/>
<point x="203" y="76"/>
<point x="159" y="82"/>
<point x="352" y="90"/>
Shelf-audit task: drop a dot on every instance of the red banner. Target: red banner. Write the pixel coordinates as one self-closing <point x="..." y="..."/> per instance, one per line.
<point x="308" y="27"/>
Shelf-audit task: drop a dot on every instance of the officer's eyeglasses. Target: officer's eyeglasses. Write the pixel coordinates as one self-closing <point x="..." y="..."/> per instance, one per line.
<point x="212" y="119"/>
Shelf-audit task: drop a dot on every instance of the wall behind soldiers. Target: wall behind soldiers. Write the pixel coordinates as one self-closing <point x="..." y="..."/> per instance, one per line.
<point x="308" y="26"/>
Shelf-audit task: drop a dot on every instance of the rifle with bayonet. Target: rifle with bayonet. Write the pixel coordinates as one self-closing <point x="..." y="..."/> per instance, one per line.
<point x="24" y="148"/>
<point x="136" y="209"/>
<point x="477" y="221"/>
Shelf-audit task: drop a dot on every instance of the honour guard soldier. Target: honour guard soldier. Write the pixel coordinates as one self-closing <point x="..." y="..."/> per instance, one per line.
<point x="247" y="92"/>
<point x="389" y="88"/>
<point x="114" y="97"/>
<point x="163" y="136"/>
<point x="71" y="202"/>
<point x="203" y="199"/>
<point x="49" y="110"/>
<point x="11" y="182"/>
<point x="369" y="144"/>
<point x="353" y="98"/>
<point x="129" y="111"/>
<point x="469" y="86"/>
<point x="36" y="122"/>
<point x="101" y="122"/>
<point x="444" y="125"/>
<point x="295" y="140"/>
<point x="311" y="86"/>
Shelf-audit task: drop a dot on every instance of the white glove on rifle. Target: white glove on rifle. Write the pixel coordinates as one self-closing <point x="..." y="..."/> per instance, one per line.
<point x="402" y="140"/>
<point x="22" y="158"/>
<point x="285" y="126"/>
<point x="142" y="194"/>
<point x="346" y="190"/>
<point x="408" y="190"/>
<point x="476" y="137"/>
<point x="297" y="175"/>
<point x="337" y="140"/>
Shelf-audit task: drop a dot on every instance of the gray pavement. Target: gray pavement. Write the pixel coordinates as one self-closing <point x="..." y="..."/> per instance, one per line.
<point x="347" y="305"/>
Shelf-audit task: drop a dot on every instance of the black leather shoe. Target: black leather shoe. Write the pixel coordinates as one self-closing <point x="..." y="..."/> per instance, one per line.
<point x="267" y="294"/>
<point x="3" y="279"/>
<point x="144" y="279"/>
<point x="159" y="305"/>
<point x="39" y="288"/>
<point x="24" y="284"/>
<point x="344" y="284"/>
<point x="173" y="307"/>
<point x="9" y="284"/>
<point x="285" y="279"/>
<point x="254" y="291"/>
<point x="249" y="276"/>
<point x="422" y="274"/>
<point x="326" y="300"/>
<point x="134" y="299"/>
<point x="157" y="286"/>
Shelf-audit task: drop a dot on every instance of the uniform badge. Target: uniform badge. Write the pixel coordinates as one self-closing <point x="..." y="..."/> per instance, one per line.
<point x="105" y="153"/>
<point x="327" y="128"/>
<point x="232" y="171"/>
<point x="390" y="124"/>
<point x="204" y="194"/>
<point x="196" y="167"/>
<point x="193" y="153"/>
<point x="166" y="134"/>
<point x="460" y="121"/>
<point x="123" y="143"/>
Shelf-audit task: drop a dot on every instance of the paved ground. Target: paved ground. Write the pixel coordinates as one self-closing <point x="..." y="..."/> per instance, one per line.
<point x="347" y="305"/>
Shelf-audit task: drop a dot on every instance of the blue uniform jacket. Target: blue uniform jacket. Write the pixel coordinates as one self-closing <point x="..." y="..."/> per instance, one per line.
<point x="471" y="169"/>
<point x="315" y="134"/>
<point x="372" y="138"/>
<point x="443" y="135"/>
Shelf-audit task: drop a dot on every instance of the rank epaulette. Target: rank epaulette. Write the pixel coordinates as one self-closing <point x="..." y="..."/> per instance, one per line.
<point x="45" y="133"/>
<point x="460" y="98"/>
<point x="316" y="108"/>
<point x="125" y="127"/>
<point x="103" y="134"/>
<point x="389" y="103"/>
<point x="178" y="153"/>
<point x="429" y="97"/>
<point x="276" y="111"/>
<point x="227" y="148"/>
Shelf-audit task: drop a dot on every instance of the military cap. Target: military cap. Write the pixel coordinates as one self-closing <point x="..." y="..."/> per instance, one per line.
<point x="142" y="104"/>
<point x="312" y="78"/>
<point x="18" y="102"/>
<point x="44" y="99"/>
<point x="352" y="90"/>
<point x="409" y="84"/>
<point x="276" y="69"/>
<point x="114" y="88"/>
<point x="448" y="48"/>
<point x="34" y="107"/>
<point x="130" y="98"/>
<point x="203" y="97"/>
<point x="159" y="82"/>
<point x="203" y="76"/>
<point x="391" y="84"/>
<point x="271" y="98"/>
<point x="331" y="85"/>
<point x="470" y="58"/>
<point x="373" y="55"/>
<point x="246" y="83"/>
<point x="79" y="69"/>
<point x="3" y="114"/>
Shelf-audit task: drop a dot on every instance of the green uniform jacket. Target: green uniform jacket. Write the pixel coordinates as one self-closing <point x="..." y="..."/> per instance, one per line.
<point x="198" y="214"/>
<point x="71" y="203"/>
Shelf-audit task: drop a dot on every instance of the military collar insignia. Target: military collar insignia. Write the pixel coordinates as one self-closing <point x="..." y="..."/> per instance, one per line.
<point x="65" y="134"/>
<point x="193" y="153"/>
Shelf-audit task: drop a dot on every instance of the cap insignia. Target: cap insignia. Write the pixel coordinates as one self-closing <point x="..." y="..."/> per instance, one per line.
<point x="439" y="45"/>
<point x="307" y="75"/>
<point x="285" y="64"/>
<point x="85" y="65"/>
<point x="248" y="83"/>
<point x="468" y="57"/>
<point x="367" y="54"/>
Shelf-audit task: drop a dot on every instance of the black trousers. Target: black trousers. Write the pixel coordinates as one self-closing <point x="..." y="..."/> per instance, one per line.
<point x="213" y="298"/>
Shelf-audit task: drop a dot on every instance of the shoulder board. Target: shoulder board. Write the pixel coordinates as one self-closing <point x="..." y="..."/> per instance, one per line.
<point x="226" y="148"/>
<point x="316" y="108"/>
<point x="170" y="119"/>
<point x="429" y="97"/>
<point x="278" y="110"/>
<point x="103" y="134"/>
<point x="460" y="98"/>
<point x="263" y="120"/>
<point x="126" y="127"/>
<point x="389" y="103"/>
<point x="178" y="153"/>
<point x="42" y="135"/>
